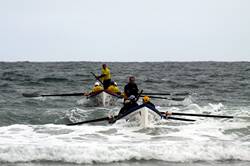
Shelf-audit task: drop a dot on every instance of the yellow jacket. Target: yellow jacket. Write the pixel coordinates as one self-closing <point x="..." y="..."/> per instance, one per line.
<point x="96" y="89"/>
<point x="107" y="74"/>
<point x="113" y="89"/>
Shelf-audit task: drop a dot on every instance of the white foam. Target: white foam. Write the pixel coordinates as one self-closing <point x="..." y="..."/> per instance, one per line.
<point x="204" y="140"/>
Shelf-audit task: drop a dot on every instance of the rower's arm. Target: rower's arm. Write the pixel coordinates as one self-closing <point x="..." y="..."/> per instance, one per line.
<point x="102" y="75"/>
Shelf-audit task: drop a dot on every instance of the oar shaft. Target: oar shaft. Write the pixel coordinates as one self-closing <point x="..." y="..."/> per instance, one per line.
<point x="66" y="94"/>
<point x="96" y="78"/>
<point x="89" y="121"/>
<point x="162" y="94"/>
<point x="167" y="98"/>
<point x="182" y="119"/>
<point x="202" y="115"/>
<point x="167" y="94"/>
<point x="199" y="115"/>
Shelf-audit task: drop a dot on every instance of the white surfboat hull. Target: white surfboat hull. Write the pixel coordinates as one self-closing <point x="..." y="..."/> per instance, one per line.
<point x="103" y="99"/>
<point x="144" y="117"/>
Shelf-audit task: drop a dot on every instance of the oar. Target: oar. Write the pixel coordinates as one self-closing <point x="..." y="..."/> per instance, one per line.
<point x="139" y="95"/>
<point x="172" y="98"/>
<point x="199" y="115"/>
<point x="98" y="79"/>
<point x="182" y="119"/>
<point x="165" y="116"/>
<point x="167" y="94"/>
<point x="42" y="95"/>
<point x="89" y="121"/>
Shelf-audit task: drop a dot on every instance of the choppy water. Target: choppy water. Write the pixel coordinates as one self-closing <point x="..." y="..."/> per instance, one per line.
<point x="33" y="130"/>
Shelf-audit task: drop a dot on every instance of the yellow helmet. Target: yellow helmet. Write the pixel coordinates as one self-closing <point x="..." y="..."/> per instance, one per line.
<point x="145" y="99"/>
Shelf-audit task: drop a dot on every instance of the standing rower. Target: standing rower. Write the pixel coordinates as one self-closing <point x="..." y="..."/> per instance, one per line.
<point x="105" y="76"/>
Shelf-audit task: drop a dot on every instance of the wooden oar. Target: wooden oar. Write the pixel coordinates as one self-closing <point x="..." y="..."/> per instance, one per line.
<point x="198" y="115"/>
<point x="48" y="95"/>
<point x="167" y="94"/>
<point x="167" y="98"/>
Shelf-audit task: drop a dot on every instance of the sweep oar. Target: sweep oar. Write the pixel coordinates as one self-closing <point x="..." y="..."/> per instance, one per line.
<point x="199" y="115"/>
<point x="98" y="79"/>
<point x="172" y="98"/>
<point x="165" y="116"/>
<point x="89" y="121"/>
<point x="48" y="95"/>
<point x="167" y="94"/>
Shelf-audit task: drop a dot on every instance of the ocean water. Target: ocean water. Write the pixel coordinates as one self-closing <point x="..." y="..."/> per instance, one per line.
<point x="33" y="130"/>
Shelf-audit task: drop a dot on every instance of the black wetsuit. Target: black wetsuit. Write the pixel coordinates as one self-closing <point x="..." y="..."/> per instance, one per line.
<point x="106" y="83"/>
<point x="127" y="107"/>
<point x="131" y="89"/>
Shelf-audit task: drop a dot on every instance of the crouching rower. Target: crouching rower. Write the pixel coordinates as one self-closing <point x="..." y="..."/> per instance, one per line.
<point x="96" y="89"/>
<point x="129" y="103"/>
<point x="113" y="88"/>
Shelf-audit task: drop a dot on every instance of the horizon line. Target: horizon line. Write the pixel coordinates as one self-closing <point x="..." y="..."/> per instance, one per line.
<point x="27" y="61"/>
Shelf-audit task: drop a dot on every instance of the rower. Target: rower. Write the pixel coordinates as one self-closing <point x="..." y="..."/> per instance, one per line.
<point x="129" y="103"/>
<point x="146" y="100"/>
<point x="113" y="88"/>
<point x="105" y="76"/>
<point x="131" y="88"/>
<point x="96" y="88"/>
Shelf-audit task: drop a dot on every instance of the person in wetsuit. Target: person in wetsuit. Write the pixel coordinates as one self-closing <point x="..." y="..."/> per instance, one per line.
<point x="128" y="104"/>
<point x="131" y="88"/>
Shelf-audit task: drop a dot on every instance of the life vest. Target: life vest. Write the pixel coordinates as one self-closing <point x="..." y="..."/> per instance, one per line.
<point x="96" y="89"/>
<point x="113" y="89"/>
<point x="107" y="74"/>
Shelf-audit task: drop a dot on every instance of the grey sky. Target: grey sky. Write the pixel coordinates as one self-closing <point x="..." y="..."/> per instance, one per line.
<point x="128" y="30"/>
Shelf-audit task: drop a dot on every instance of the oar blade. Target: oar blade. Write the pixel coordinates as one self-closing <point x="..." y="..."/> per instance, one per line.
<point x="177" y="99"/>
<point x="181" y="94"/>
<point x="31" y="95"/>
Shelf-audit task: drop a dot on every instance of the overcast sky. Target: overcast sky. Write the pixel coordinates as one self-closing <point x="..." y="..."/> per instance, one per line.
<point x="128" y="30"/>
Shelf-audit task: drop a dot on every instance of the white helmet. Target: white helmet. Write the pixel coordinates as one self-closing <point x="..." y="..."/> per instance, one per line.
<point x="115" y="83"/>
<point x="97" y="83"/>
